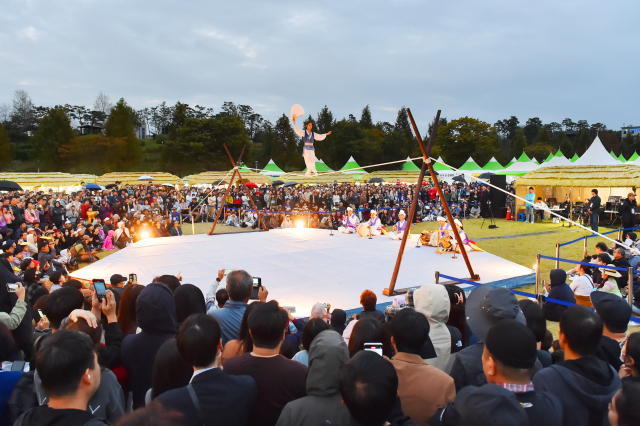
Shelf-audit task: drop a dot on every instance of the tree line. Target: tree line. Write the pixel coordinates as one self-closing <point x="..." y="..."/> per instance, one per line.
<point x="189" y="139"/>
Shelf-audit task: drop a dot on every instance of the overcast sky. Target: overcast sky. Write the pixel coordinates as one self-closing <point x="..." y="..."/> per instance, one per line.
<point x="485" y="59"/>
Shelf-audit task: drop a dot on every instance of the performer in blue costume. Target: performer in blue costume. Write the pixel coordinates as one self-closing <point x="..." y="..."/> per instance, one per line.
<point x="374" y="224"/>
<point x="308" y="152"/>
<point x="349" y="223"/>
<point x="400" y="227"/>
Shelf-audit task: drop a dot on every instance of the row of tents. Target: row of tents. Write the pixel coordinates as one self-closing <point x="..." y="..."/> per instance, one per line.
<point x="595" y="155"/>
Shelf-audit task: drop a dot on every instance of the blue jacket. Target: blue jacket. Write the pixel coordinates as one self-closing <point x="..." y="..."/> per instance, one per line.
<point x="530" y="198"/>
<point x="230" y="319"/>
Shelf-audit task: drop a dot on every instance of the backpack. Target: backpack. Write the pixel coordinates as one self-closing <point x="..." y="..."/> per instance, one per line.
<point x="22" y="399"/>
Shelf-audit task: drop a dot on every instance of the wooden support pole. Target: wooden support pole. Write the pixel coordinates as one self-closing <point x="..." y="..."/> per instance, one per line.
<point x="427" y="164"/>
<point x="226" y="192"/>
<point x="246" y="191"/>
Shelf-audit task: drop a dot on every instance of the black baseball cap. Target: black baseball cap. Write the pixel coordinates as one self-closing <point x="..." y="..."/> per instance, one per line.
<point x="613" y="309"/>
<point x="6" y="245"/>
<point x="117" y="279"/>
<point x="487" y="305"/>
<point x="513" y="344"/>
<point x="489" y="405"/>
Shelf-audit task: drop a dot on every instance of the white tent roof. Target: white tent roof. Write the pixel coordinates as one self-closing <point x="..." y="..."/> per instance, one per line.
<point x="596" y="155"/>
<point x="522" y="166"/>
<point x="558" y="161"/>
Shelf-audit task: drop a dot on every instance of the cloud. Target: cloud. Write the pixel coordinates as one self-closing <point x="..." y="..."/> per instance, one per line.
<point x="242" y="44"/>
<point x="31" y="33"/>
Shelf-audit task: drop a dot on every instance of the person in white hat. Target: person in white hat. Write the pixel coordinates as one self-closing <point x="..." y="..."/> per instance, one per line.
<point x="308" y="152"/>
<point x="443" y="231"/>
<point x="400" y="227"/>
<point x="463" y="236"/>
<point x="374" y="224"/>
<point x="349" y="223"/>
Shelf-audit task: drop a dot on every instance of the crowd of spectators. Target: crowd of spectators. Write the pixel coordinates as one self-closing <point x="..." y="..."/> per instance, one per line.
<point x="166" y="353"/>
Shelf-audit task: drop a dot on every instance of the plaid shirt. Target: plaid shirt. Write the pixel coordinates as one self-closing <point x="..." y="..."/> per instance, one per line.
<point x="517" y="388"/>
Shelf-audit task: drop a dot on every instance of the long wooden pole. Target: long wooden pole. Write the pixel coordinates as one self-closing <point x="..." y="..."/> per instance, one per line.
<point x="246" y="191"/>
<point x="425" y="164"/>
<point x="224" y="199"/>
<point x="427" y="153"/>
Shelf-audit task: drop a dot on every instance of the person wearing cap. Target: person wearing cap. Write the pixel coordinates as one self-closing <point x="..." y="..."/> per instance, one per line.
<point x="508" y="361"/>
<point x="9" y="246"/>
<point x="615" y="313"/>
<point x="485" y="306"/>
<point x="560" y="290"/>
<point x="349" y="223"/>
<point x="399" y="227"/>
<point x="117" y="284"/>
<point x="608" y="282"/>
<point x="583" y="383"/>
<point x="627" y="212"/>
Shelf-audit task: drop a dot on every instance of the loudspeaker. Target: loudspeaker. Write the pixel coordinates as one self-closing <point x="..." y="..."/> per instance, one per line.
<point x="498" y="198"/>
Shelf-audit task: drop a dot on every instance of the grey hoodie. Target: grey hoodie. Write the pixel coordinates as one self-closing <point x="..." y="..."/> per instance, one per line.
<point x="327" y="354"/>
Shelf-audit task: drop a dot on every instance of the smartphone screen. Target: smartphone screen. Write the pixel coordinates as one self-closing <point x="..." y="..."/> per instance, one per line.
<point x="133" y="277"/>
<point x="257" y="283"/>
<point x="101" y="288"/>
<point x="374" y="347"/>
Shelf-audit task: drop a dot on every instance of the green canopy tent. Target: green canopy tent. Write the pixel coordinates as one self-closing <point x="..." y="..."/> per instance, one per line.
<point x="493" y="165"/>
<point x="513" y="160"/>
<point x="634" y="157"/>
<point x="559" y="154"/>
<point x="439" y="167"/>
<point x="271" y="169"/>
<point x="320" y="167"/>
<point x="549" y="157"/>
<point x="613" y="155"/>
<point x="621" y="158"/>
<point x="471" y="166"/>
<point x="352" y="167"/>
<point x="242" y="168"/>
<point x="409" y="166"/>
<point x="524" y="158"/>
<point x="574" y="158"/>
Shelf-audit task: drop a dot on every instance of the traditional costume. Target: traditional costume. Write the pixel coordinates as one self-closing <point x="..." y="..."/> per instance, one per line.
<point x="374" y="224"/>
<point x="349" y="223"/>
<point x="400" y="227"/>
<point x="463" y="236"/>
<point x="308" y="152"/>
<point x="442" y="232"/>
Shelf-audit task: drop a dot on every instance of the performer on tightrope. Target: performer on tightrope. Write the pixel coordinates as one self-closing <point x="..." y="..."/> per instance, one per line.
<point x="349" y="223"/>
<point x="400" y="227"/>
<point x="308" y="152"/>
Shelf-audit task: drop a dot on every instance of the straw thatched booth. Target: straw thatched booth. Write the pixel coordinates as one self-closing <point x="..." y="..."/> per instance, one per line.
<point x="206" y="178"/>
<point x="131" y="178"/>
<point x="320" y="179"/>
<point x="578" y="181"/>
<point x="43" y="181"/>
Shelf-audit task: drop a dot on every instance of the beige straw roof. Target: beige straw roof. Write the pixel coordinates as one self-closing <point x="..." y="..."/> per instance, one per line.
<point x="209" y="177"/>
<point x="131" y="178"/>
<point x="47" y="180"/>
<point x="622" y="175"/>
<point x="321" y="178"/>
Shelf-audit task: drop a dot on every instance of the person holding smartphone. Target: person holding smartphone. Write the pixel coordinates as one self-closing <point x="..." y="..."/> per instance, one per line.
<point x="13" y="319"/>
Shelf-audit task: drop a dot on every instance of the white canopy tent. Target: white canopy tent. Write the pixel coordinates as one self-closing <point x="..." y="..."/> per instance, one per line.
<point x="596" y="155"/>
<point x="558" y="161"/>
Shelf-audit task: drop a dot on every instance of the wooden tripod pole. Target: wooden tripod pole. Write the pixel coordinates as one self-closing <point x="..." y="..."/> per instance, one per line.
<point x="425" y="164"/>
<point x="246" y="191"/>
<point x="224" y="199"/>
<point x="427" y="153"/>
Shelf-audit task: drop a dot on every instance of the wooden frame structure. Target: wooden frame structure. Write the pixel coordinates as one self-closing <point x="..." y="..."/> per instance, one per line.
<point x="244" y="187"/>
<point x="426" y="163"/>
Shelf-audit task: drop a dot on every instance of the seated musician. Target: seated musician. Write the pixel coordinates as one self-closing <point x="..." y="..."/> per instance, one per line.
<point x="442" y="232"/>
<point x="463" y="237"/>
<point x="374" y="224"/>
<point x="349" y="223"/>
<point x="540" y="207"/>
<point x="400" y="227"/>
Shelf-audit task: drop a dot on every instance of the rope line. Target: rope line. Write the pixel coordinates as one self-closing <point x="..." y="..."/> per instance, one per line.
<point x="526" y="203"/>
<point x="604" y="233"/>
<point x="521" y="293"/>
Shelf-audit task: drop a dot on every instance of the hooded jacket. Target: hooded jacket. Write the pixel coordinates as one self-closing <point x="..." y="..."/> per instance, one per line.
<point x="323" y="403"/>
<point x="558" y="289"/>
<point x="156" y="316"/>
<point x="584" y="387"/>
<point x="432" y="300"/>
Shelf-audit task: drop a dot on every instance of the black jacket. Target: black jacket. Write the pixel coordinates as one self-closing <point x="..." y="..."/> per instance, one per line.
<point x="622" y="281"/>
<point x="627" y="211"/>
<point x="156" y="316"/>
<point x="224" y="399"/>
<point x="542" y="408"/>
<point x="45" y="416"/>
<point x="594" y="204"/>
<point x="584" y="387"/>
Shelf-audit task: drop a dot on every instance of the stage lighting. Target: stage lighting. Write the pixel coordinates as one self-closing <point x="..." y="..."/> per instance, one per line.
<point x="299" y="223"/>
<point x="144" y="234"/>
